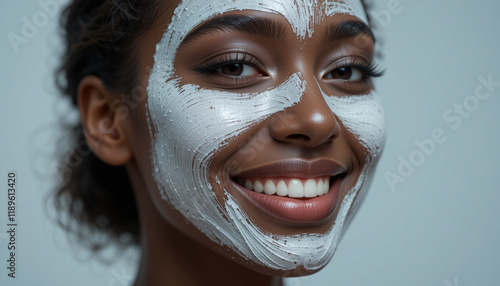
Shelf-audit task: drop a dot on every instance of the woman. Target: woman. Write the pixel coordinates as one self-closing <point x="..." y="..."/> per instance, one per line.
<point x="232" y="139"/>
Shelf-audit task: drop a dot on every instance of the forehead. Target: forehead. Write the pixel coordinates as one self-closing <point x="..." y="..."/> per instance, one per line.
<point x="301" y="14"/>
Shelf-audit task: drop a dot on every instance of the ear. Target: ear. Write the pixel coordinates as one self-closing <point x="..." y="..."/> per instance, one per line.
<point x="104" y="130"/>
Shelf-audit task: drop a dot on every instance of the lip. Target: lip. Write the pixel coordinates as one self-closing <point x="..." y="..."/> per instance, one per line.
<point x="296" y="210"/>
<point x="295" y="168"/>
<point x="301" y="210"/>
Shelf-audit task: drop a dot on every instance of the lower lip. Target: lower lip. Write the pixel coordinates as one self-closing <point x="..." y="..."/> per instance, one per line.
<point x="304" y="210"/>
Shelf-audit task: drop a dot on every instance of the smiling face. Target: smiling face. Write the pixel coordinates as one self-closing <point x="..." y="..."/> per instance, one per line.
<point x="264" y="127"/>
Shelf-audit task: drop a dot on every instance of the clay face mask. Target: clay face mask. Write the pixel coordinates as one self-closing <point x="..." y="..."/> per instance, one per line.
<point x="189" y="125"/>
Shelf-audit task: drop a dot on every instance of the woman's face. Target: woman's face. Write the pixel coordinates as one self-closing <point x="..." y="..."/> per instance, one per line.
<point x="264" y="128"/>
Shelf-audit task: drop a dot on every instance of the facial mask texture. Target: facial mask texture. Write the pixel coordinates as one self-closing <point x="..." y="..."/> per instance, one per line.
<point x="189" y="125"/>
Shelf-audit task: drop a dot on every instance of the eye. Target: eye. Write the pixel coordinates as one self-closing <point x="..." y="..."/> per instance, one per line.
<point x="352" y="70"/>
<point x="345" y="73"/>
<point x="237" y="69"/>
<point x="351" y="75"/>
<point x="232" y="71"/>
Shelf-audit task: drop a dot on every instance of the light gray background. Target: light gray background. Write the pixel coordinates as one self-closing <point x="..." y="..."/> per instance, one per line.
<point x="438" y="227"/>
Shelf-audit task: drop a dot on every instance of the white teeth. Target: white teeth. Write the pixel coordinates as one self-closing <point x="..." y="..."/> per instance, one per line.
<point x="282" y="189"/>
<point x="297" y="188"/>
<point x="321" y="190"/>
<point x="310" y="189"/>
<point x="258" y="187"/>
<point x="270" y="188"/>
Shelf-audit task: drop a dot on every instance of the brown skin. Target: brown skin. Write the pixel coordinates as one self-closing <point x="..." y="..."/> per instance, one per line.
<point x="174" y="252"/>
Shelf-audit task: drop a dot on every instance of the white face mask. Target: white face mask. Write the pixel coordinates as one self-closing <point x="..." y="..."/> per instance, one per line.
<point x="189" y="124"/>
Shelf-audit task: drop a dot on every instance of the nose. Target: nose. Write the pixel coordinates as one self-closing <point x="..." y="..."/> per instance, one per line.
<point x="309" y="123"/>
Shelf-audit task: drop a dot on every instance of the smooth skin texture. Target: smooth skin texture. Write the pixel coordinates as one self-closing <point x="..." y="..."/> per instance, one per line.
<point x="174" y="252"/>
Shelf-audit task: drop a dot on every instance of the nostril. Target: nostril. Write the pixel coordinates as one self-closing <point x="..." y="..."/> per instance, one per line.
<point x="332" y="137"/>
<point x="298" y="136"/>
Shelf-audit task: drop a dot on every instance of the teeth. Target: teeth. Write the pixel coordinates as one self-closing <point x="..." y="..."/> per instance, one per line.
<point x="269" y="188"/>
<point x="281" y="189"/>
<point x="310" y="189"/>
<point x="258" y="187"/>
<point x="321" y="190"/>
<point x="296" y="188"/>
<point x="248" y="185"/>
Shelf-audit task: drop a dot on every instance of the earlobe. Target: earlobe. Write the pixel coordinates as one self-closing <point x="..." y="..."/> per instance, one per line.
<point x="104" y="130"/>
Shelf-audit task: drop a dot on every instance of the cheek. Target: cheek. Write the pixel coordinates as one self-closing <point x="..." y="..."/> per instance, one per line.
<point x="188" y="126"/>
<point x="363" y="116"/>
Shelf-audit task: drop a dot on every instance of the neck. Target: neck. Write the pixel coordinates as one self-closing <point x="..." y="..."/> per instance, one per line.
<point x="170" y="257"/>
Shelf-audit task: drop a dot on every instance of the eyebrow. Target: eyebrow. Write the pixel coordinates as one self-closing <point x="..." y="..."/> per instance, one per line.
<point x="348" y="29"/>
<point x="253" y="25"/>
<point x="260" y="26"/>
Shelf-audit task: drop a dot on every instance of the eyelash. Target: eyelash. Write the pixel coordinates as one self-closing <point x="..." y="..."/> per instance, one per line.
<point x="369" y="70"/>
<point x="212" y="65"/>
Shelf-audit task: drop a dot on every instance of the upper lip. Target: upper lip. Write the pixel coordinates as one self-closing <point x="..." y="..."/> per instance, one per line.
<point x="295" y="168"/>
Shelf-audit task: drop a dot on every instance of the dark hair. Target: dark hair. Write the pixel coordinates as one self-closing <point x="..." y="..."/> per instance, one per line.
<point x="100" y="39"/>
